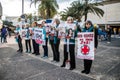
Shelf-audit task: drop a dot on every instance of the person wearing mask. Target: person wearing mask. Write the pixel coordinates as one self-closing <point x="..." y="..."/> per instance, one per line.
<point x="89" y="28"/>
<point x="28" y="39"/>
<point x="69" y="44"/>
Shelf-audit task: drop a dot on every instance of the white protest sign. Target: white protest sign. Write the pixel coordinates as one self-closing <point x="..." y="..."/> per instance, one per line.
<point x="39" y="36"/>
<point x="24" y="33"/>
<point x="85" y="45"/>
<point x="61" y="32"/>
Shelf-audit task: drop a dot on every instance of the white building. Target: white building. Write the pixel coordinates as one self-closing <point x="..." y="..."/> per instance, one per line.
<point x="111" y="15"/>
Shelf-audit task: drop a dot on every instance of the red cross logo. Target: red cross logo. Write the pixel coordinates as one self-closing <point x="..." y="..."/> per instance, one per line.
<point x="85" y="50"/>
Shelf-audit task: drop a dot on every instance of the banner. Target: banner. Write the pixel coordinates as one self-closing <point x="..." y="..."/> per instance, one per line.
<point x="85" y="49"/>
<point x="39" y="36"/>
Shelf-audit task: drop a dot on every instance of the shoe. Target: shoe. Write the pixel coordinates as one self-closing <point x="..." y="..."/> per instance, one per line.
<point x="18" y="50"/>
<point x="44" y="57"/>
<point x="57" y="61"/>
<point x="83" y="71"/>
<point x="37" y="54"/>
<point x="53" y="61"/>
<point x="62" y="66"/>
<point x="21" y="51"/>
<point x="33" y="53"/>
<point x="71" y="68"/>
<point x="29" y="51"/>
<point x="26" y="51"/>
<point x="87" y="72"/>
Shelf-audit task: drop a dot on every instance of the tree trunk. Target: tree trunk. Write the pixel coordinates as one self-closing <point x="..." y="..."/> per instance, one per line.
<point x="85" y="17"/>
<point x="48" y="13"/>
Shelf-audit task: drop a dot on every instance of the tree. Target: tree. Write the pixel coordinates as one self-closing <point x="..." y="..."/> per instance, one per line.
<point x="47" y="8"/>
<point x="29" y="16"/>
<point x="9" y="24"/>
<point x="75" y="11"/>
<point x="92" y="8"/>
<point x="79" y="9"/>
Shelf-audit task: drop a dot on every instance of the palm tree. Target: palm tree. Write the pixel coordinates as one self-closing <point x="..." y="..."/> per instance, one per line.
<point x="75" y="11"/>
<point x="47" y="8"/>
<point x="79" y="9"/>
<point x="92" y="8"/>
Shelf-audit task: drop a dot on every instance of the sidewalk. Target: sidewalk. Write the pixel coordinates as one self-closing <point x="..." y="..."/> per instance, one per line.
<point x="30" y="67"/>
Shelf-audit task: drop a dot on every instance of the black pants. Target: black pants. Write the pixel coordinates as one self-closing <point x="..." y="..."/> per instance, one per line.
<point x="45" y="47"/>
<point x="28" y="44"/>
<point x="3" y="38"/>
<point x="20" y="44"/>
<point x="53" y="48"/>
<point x="35" y="47"/>
<point x="109" y="37"/>
<point x="87" y="65"/>
<point x="72" y="55"/>
<point x="57" y="54"/>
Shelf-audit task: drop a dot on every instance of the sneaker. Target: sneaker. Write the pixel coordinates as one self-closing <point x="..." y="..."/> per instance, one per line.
<point x="45" y="57"/>
<point x="62" y="66"/>
<point x="29" y="51"/>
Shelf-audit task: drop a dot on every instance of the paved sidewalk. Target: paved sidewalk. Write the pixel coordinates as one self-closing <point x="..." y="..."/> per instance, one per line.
<point x="14" y="66"/>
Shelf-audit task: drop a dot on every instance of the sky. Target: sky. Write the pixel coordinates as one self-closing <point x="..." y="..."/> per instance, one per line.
<point x="14" y="7"/>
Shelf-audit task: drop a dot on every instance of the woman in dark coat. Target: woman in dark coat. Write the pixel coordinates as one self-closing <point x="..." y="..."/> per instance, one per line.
<point x="89" y="28"/>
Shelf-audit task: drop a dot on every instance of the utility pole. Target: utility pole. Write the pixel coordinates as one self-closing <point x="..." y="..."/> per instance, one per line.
<point x="22" y="6"/>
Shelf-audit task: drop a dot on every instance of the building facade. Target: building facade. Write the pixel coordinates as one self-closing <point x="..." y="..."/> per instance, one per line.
<point x="111" y="15"/>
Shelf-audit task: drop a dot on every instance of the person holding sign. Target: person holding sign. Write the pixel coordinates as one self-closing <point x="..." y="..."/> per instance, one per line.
<point x="56" y="40"/>
<point x="69" y="45"/>
<point x="44" y="38"/>
<point x="35" y="45"/>
<point x="89" y="28"/>
<point x="27" y="39"/>
<point x="18" y="38"/>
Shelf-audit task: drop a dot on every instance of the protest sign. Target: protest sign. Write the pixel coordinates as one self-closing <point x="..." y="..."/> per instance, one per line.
<point x="24" y="33"/>
<point x="85" y="49"/>
<point x="39" y="36"/>
<point x="61" y="32"/>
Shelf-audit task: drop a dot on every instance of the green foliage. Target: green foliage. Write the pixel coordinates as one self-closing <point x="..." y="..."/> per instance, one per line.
<point x="47" y="8"/>
<point x="79" y="9"/>
<point x="9" y="24"/>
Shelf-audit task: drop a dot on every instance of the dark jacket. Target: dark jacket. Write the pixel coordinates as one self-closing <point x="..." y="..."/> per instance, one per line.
<point x="91" y="29"/>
